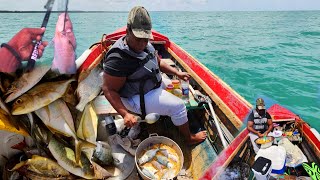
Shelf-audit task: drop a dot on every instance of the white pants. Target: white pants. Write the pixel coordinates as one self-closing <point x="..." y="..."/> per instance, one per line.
<point x="253" y="137"/>
<point x="160" y="101"/>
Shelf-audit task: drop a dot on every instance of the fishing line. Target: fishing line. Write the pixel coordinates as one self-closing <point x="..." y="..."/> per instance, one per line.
<point x="35" y="51"/>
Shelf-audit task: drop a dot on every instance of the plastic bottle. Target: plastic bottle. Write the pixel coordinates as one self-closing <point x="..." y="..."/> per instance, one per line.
<point x="110" y="125"/>
<point x="185" y="91"/>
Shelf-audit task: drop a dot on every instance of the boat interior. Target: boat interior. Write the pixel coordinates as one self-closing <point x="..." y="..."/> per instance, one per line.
<point x="206" y="112"/>
<point x="197" y="158"/>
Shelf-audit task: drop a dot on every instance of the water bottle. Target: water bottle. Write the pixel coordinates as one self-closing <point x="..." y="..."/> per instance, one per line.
<point x="110" y="125"/>
<point x="185" y="91"/>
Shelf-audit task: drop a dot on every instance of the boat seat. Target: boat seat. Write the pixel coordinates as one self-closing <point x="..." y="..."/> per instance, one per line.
<point x="169" y="62"/>
<point x="103" y="106"/>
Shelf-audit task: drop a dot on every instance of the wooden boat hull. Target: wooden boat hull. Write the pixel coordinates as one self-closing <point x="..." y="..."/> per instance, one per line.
<point x="232" y="107"/>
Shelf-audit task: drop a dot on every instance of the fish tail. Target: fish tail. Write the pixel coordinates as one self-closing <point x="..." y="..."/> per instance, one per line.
<point x="18" y="166"/>
<point x="80" y="106"/>
<point x="79" y="145"/>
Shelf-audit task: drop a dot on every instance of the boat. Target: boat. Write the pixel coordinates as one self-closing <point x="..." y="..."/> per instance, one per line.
<point x="212" y="106"/>
<point x="215" y="107"/>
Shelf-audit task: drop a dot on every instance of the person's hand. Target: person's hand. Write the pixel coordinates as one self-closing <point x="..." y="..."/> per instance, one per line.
<point x="260" y="135"/>
<point x="130" y="120"/>
<point x="183" y="75"/>
<point x="23" y="42"/>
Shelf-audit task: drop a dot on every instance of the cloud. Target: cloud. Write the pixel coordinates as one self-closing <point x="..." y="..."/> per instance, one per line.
<point x="166" y="5"/>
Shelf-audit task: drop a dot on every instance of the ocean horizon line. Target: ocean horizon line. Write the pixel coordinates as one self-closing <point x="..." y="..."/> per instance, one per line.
<point x="81" y="11"/>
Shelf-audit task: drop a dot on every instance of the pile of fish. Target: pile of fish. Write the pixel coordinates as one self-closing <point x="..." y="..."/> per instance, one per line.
<point x="160" y="161"/>
<point x="54" y="106"/>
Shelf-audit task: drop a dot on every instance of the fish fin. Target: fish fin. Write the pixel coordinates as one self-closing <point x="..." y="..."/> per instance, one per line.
<point x="31" y="121"/>
<point x="21" y="145"/>
<point x="18" y="166"/>
<point x="73" y="46"/>
<point x="14" y="122"/>
<point x="86" y="144"/>
<point x="46" y="108"/>
<point x="77" y="152"/>
<point x="80" y="106"/>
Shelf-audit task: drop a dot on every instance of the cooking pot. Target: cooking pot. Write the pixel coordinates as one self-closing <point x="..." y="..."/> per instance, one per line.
<point x="155" y="139"/>
<point x="264" y="142"/>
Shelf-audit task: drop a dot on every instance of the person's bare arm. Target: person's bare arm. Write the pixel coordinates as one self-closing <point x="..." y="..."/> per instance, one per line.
<point x="111" y="87"/>
<point x="270" y="124"/>
<point x="164" y="67"/>
<point x="251" y="129"/>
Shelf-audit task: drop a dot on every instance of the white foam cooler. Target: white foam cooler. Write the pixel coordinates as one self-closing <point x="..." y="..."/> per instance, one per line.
<point x="262" y="168"/>
<point x="277" y="154"/>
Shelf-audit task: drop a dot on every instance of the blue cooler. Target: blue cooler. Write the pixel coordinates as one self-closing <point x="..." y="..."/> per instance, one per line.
<point x="262" y="168"/>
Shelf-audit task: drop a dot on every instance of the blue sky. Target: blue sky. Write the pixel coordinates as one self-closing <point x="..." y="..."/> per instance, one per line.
<point x="171" y="5"/>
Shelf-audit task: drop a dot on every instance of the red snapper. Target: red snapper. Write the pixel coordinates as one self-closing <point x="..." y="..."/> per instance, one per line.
<point x="64" y="46"/>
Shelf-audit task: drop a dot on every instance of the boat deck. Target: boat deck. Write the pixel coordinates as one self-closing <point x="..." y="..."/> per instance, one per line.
<point x="193" y="155"/>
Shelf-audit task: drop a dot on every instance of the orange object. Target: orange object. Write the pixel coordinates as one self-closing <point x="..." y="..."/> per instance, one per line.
<point x="176" y="84"/>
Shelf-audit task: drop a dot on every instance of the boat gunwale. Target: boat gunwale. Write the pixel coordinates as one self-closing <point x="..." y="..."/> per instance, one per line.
<point x="235" y="145"/>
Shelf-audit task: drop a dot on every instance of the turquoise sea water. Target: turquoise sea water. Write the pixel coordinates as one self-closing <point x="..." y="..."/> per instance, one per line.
<point x="275" y="55"/>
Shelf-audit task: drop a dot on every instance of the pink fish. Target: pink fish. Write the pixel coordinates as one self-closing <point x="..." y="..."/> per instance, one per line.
<point x="64" y="46"/>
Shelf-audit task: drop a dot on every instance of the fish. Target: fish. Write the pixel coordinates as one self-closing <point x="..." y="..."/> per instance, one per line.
<point x="89" y="88"/>
<point x="66" y="158"/>
<point x="168" y="174"/>
<point x="164" y="161"/>
<point x="166" y="153"/>
<point x="150" y="171"/>
<point x="64" y="46"/>
<point x="12" y="119"/>
<point x="57" y="117"/>
<point x="157" y="165"/>
<point x="40" y="96"/>
<point x="6" y="124"/>
<point x="103" y="154"/>
<point x="88" y="128"/>
<point x="147" y="156"/>
<point x="42" y="166"/>
<point x="27" y="81"/>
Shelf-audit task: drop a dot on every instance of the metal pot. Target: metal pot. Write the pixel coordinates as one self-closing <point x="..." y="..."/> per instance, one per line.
<point x="155" y="139"/>
<point x="264" y="145"/>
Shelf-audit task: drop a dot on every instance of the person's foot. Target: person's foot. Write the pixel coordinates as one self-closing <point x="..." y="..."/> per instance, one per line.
<point x="197" y="138"/>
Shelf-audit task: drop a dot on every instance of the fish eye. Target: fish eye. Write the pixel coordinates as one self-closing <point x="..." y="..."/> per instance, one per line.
<point x="19" y="101"/>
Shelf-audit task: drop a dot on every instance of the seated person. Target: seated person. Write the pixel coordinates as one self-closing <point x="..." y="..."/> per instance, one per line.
<point x="259" y="123"/>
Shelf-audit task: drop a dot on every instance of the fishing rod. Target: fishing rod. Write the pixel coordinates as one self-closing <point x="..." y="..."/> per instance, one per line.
<point x="65" y="15"/>
<point x="35" y="51"/>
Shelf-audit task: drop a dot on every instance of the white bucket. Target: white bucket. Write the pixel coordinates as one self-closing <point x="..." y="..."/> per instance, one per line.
<point x="155" y="139"/>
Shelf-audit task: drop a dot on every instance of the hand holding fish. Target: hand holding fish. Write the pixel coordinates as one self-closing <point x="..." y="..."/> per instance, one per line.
<point x="20" y="47"/>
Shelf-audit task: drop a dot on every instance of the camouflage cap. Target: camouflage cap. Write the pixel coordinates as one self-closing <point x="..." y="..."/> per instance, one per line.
<point x="260" y="103"/>
<point x="140" y="22"/>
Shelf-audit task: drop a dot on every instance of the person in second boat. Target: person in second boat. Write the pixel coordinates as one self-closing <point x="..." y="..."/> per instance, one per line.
<point x="133" y="82"/>
<point x="259" y="123"/>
